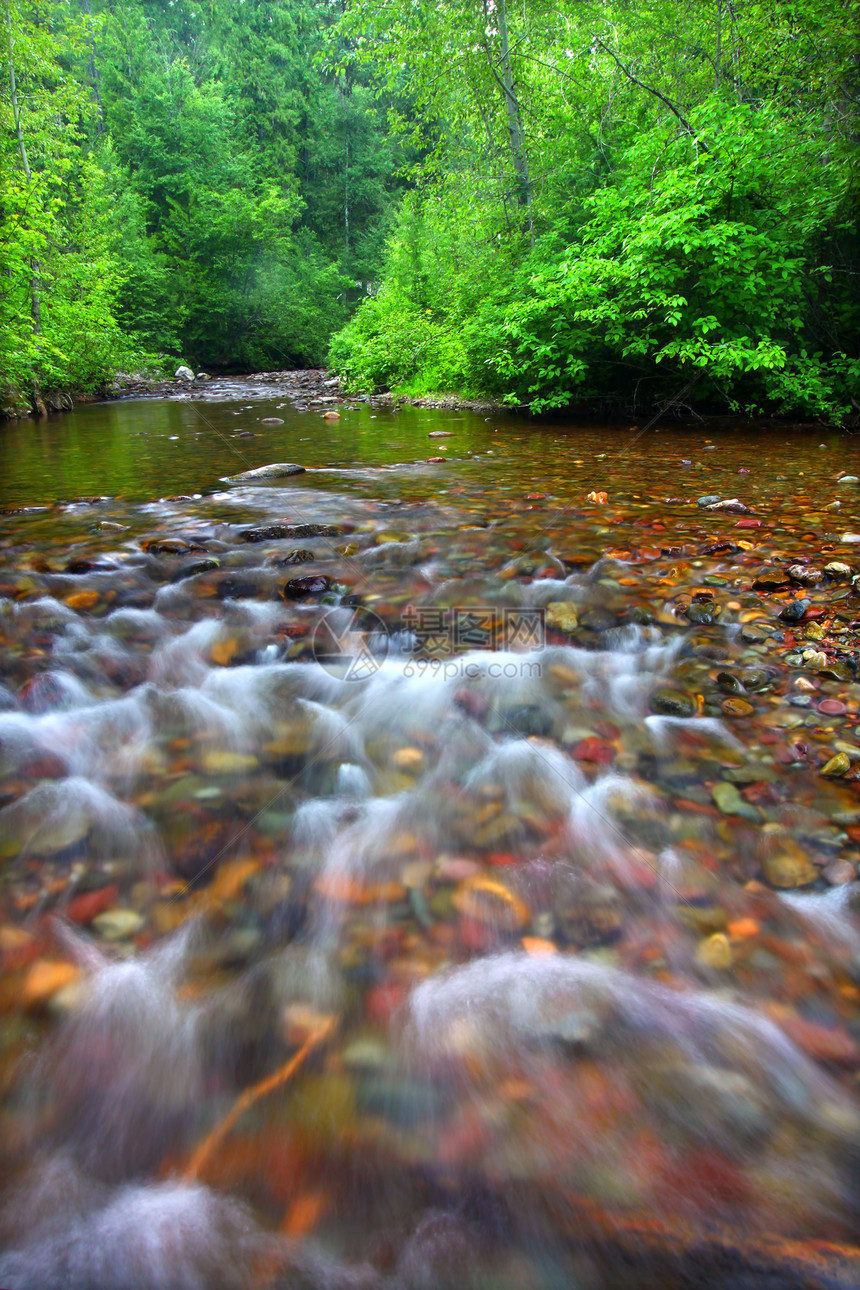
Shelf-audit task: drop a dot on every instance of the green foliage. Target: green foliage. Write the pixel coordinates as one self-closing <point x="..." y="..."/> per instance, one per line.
<point x="694" y="183"/>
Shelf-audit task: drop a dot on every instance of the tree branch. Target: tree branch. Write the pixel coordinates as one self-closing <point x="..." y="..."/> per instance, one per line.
<point x="651" y="90"/>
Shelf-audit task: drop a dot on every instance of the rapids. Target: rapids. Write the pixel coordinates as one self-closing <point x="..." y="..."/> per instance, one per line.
<point x="416" y="876"/>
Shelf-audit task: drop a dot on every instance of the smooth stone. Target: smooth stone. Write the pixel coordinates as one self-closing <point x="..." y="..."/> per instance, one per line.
<point x="271" y="421"/>
<point x="792" y="869"/>
<point x="276" y="470"/>
<point x="672" y="703"/>
<point x="276" y="532"/>
<point x="837" y="765"/>
<point x="561" y="616"/>
<point x="839" y="872"/>
<point x="734" y="707"/>
<point x="730" y="505"/>
<point x="703" y="615"/>
<point x="729" y="683"/>
<point x="752" y="634"/>
<point x="709" y="499"/>
<point x="715" y="952"/>
<point x="794" y="611"/>
<point x="849" y="479"/>
<point x="805" y="574"/>
<point x="727" y="797"/>
<point x="118" y="924"/>
<point x="298" y="588"/>
<point x="837" y="570"/>
<point x="223" y="762"/>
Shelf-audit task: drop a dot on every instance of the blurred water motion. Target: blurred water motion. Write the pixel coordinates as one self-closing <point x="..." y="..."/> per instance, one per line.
<point x="495" y="964"/>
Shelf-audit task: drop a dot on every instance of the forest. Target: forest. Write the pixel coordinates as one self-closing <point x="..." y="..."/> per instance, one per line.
<point x="599" y="205"/>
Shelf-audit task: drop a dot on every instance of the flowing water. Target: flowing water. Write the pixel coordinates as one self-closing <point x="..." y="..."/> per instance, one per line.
<point x="416" y="874"/>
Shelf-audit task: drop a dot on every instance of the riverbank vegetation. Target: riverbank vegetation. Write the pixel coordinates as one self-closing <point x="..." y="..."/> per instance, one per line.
<point x="602" y="205"/>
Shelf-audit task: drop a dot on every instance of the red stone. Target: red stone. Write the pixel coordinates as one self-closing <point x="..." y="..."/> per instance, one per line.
<point x="84" y="908"/>
<point x="596" y="750"/>
<point x="748" y="524"/>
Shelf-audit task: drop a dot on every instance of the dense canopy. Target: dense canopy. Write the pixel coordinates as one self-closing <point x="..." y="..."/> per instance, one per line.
<point x="598" y="203"/>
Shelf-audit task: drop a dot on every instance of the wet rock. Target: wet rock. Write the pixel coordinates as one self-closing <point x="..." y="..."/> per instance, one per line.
<point x="736" y="707"/>
<point x="755" y="679"/>
<point x="276" y="470"/>
<point x="770" y="580"/>
<point x="183" y="373"/>
<point x="753" y="634"/>
<point x="715" y="952"/>
<point x="299" y="556"/>
<point x="223" y="762"/>
<point x="118" y="924"/>
<point x="298" y="588"/>
<point x="526" y="721"/>
<point x="839" y="872"/>
<point x="192" y="570"/>
<point x="789" y="868"/>
<point x="672" y="703"/>
<point x="729" y="683"/>
<point x="806" y="575"/>
<point x="837" y="765"/>
<point x="561" y="616"/>
<point x="278" y="532"/>
<point x="710" y="499"/>
<point x="794" y="611"/>
<point x="727" y="797"/>
<point x="45" y="978"/>
<point x="703" y="614"/>
<point x="731" y="505"/>
<point x="837" y="571"/>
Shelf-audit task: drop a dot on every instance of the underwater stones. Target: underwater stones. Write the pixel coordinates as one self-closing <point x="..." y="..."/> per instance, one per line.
<point x="195" y="568"/>
<point x="838" y="571"/>
<point x="728" y="799"/>
<point x="222" y="761"/>
<point x="526" y="721"/>
<point x="806" y="575"/>
<point x="561" y="616"/>
<point x="118" y="924"/>
<point x="275" y="470"/>
<point x="672" y="703"/>
<point x="702" y="614"/>
<point x="45" y="978"/>
<point x="789" y="868"/>
<point x="492" y="903"/>
<point x="299" y="556"/>
<point x="754" y="633"/>
<point x="794" y="611"/>
<point x="737" y="707"/>
<point x="715" y="952"/>
<point x="770" y="580"/>
<point x="710" y="499"/>
<point x="730" y="505"/>
<point x="836" y="766"/>
<point x="278" y="532"/>
<point x="299" y="588"/>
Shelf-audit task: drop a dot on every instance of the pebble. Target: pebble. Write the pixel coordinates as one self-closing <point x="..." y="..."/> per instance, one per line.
<point x="561" y="616"/>
<point x="672" y="703"/>
<point x="118" y="924"/>
<point x="275" y="470"/>
<point x="734" y="707"/>
<point x="789" y="869"/>
<point x="45" y="978"/>
<point x="715" y="952"/>
<point x="223" y="762"/>
<point x="837" y="765"/>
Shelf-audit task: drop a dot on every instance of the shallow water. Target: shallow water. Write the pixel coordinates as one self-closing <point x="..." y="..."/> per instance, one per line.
<point x="495" y="848"/>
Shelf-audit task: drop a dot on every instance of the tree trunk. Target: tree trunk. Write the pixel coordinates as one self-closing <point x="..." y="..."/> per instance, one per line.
<point x="35" y="302"/>
<point x="516" y="133"/>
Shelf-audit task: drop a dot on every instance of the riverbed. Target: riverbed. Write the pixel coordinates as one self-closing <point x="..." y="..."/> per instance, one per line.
<point x="436" y="868"/>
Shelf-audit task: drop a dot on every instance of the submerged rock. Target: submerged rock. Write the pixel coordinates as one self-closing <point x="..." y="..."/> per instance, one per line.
<point x="277" y="470"/>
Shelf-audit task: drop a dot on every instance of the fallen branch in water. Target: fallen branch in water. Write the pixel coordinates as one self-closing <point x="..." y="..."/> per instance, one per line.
<point x="251" y="1095"/>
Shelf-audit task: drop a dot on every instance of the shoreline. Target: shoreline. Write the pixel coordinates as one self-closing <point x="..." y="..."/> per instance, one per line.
<point x="310" y="388"/>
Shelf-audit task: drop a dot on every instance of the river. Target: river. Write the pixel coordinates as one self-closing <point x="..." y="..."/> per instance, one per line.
<point x="434" y="870"/>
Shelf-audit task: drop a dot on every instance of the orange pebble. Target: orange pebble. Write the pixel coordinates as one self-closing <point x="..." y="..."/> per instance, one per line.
<point x="537" y="946"/>
<point x="743" y="928"/>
